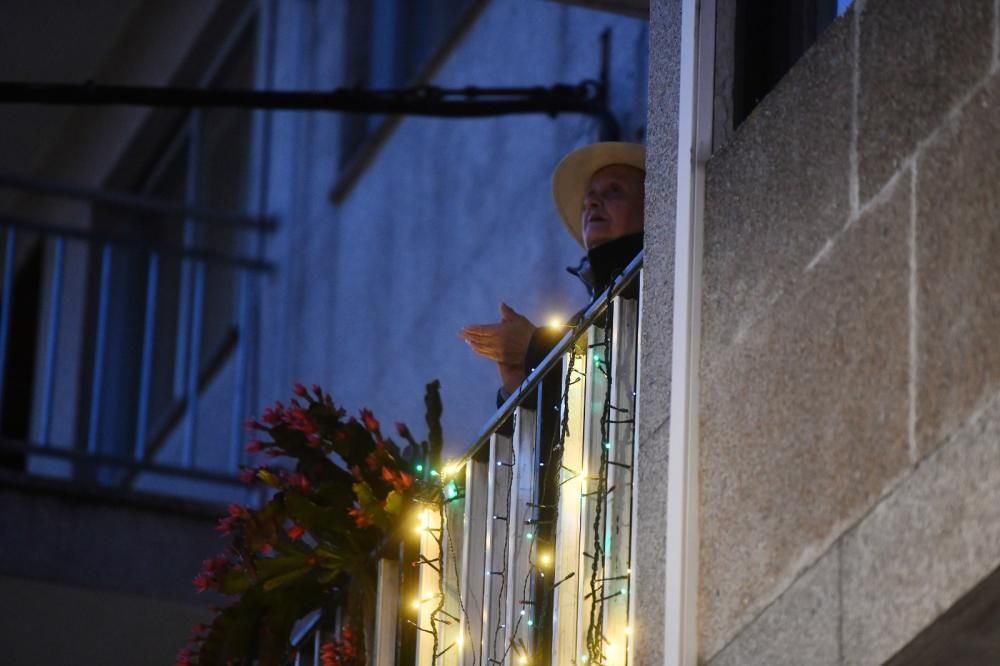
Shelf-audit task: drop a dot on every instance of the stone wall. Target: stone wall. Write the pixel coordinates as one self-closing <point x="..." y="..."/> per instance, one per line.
<point x="850" y="404"/>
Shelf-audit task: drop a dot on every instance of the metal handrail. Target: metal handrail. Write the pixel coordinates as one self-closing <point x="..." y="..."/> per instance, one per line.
<point x="554" y="357"/>
<point x="77" y="233"/>
<point x="134" y="202"/>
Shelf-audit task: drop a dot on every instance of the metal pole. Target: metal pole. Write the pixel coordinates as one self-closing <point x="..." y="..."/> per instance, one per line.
<point x="52" y="337"/>
<point x="100" y="342"/>
<point x="240" y="372"/>
<point x="194" y="358"/>
<point x="184" y="286"/>
<point x="8" y="290"/>
<point x="189" y="333"/>
<point x="148" y="338"/>
<point x="470" y="101"/>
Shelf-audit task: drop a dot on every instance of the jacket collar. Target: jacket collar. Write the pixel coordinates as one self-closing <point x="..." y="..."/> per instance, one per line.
<point x="605" y="262"/>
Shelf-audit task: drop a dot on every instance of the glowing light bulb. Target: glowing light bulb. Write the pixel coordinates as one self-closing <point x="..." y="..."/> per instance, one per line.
<point x="555" y="322"/>
<point x="545" y="559"/>
<point x="522" y="660"/>
<point x="628" y="631"/>
<point x="528" y="536"/>
<point x="416" y="604"/>
<point x="423" y="522"/>
<point x="419" y="468"/>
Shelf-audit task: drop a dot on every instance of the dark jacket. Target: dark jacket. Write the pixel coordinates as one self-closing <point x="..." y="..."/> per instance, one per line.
<point x="596" y="270"/>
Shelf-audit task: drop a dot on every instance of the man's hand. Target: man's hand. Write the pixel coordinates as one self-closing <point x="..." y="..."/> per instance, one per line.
<point x="505" y="342"/>
<point x="511" y="376"/>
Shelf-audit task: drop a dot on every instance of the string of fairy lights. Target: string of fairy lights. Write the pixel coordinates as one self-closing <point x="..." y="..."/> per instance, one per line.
<point x="538" y="586"/>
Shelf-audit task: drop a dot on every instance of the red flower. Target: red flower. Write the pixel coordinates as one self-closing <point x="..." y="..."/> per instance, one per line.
<point x="296" y="479"/>
<point x="266" y="549"/>
<point x="356" y="472"/>
<point x="226" y="525"/>
<point x="403" y="481"/>
<point x="250" y="425"/>
<point x="256" y="446"/>
<point x="361" y="518"/>
<point x="296" y="532"/>
<point x="271" y="416"/>
<point x="368" y="419"/>
<point x="247" y="475"/>
<point x="212" y="565"/>
<point x="372" y="461"/>
<point x="238" y="511"/>
<point x="387" y="475"/>
<point x="403" y="430"/>
<point x="202" y="582"/>
<point x="299" y="390"/>
<point x="328" y="654"/>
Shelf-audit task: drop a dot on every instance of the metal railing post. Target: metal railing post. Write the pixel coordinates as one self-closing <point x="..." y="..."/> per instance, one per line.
<point x="8" y="291"/>
<point x="99" y="350"/>
<point x="240" y="373"/>
<point x="194" y="358"/>
<point x="52" y="338"/>
<point x="148" y="340"/>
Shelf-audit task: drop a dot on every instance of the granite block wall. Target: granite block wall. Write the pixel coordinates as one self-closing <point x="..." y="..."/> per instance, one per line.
<point x="850" y="376"/>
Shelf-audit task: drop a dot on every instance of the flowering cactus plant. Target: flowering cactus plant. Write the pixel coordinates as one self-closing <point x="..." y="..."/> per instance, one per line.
<point x="338" y="490"/>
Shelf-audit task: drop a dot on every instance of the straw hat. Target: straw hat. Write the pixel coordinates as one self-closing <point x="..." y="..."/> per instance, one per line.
<point x="573" y="173"/>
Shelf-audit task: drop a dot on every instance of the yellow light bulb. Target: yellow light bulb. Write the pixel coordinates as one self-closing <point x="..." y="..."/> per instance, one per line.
<point x="545" y="559"/>
<point x="555" y="322"/>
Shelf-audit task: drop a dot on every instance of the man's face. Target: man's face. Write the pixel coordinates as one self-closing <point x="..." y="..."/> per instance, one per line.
<point x="613" y="205"/>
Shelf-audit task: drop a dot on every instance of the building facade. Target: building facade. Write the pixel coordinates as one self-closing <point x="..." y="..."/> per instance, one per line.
<point x="817" y="455"/>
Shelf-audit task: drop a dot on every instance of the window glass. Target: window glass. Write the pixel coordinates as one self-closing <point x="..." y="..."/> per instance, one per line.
<point x="769" y="37"/>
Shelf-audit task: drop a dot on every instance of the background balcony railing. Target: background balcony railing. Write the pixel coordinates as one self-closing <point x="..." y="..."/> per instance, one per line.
<point x="111" y="391"/>
<point x="530" y="559"/>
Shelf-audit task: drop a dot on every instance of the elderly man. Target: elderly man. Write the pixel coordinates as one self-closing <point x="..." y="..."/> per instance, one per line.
<point x="599" y="191"/>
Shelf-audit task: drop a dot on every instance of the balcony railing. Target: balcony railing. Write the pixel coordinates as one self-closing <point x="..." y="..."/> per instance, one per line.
<point x="530" y="559"/>
<point x="106" y="341"/>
